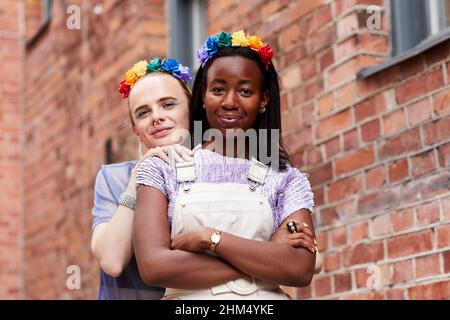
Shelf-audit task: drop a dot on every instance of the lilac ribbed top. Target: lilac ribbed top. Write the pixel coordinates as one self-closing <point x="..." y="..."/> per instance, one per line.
<point x="287" y="191"/>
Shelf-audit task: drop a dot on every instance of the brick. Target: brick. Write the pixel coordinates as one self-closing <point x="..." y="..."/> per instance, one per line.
<point x="378" y="200"/>
<point x="408" y="244"/>
<point x="304" y="7"/>
<point x="444" y="155"/>
<point x="395" y="294"/>
<point x="381" y="225"/>
<point x="363" y="253"/>
<point x="403" y="271"/>
<point x="366" y="295"/>
<point x="394" y="122"/>
<point x="307" y="114"/>
<point x="298" y="140"/>
<point x="318" y="196"/>
<point x="419" y="86"/>
<point x="446" y="256"/>
<point x="419" y="112"/>
<point x="351" y="140"/>
<point x="437" y="131"/>
<point x="347" y="210"/>
<point x="313" y="89"/>
<point x="446" y="208"/>
<point x="431" y="291"/>
<point x="333" y="124"/>
<point x="402" y="220"/>
<point x="328" y="216"/>
<point x="296" y="54"/>
<point x="308" y="68"/>
<point x="343" y="282"/>
<point x="425" y="187"/>
<point x="322" y="286"/>
<point x="443" y="236"/>
<point x="356" y="160"/>
<point x="347" y="70"/>
<point x="313" y="156"/>
<point x="427" y="266"/>
<point x="361" y="277"/>
<point x="331" y="261"/>
<point x="339" y="237"/>
<point x="427" y="213"/>
<point x="332" y="147"/>
<point x="345" y="95"/>
<point x="297" y="160"/>
<point x="441" y="103"/>
<point x="361" y="42"/>
<point x="322" y="16"/>
<point x="398" y="170"/>
<point x="322" y="241"/>
<point x="405" y="142"/>
<point x="291" y="78"/>
<point x="370" y="131"/>
<point x="320" y="174"/>
<point x="298" y="96"/>
<point x="374" y="42"/>
<point x="359" y="231"/>
<point x="347" y="25"/>
<point x="289" y="37"/>
<point x="370" y="107"/>
<point x="347" y="47"/>
<point x="326" y="59"/>
<point x="344" y="188"/>
<point x="322" y="39"/>
<point x="284" y="103"/>
<point x="269" y="9"/>
<point x="375" y="178"/>
<point x="372" y="277"/>
<point x="292" y="119"/>
<point x="423" y="163"/>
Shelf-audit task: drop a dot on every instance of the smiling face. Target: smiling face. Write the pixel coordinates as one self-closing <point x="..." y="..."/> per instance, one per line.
<point x="233" y="95"/>
<point x="159" y="106"/>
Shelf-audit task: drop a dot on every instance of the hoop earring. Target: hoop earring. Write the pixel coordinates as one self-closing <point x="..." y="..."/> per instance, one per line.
<point x="140" y="151"/>
<point x="263" y="109"/>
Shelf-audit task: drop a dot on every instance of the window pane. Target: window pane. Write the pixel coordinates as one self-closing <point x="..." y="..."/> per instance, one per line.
<point x="409" y="24"/>
<point x="187" y="19"/>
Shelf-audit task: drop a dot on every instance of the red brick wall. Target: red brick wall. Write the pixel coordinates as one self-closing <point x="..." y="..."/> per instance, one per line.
<point x="377" y="149"/>
<point x="11" y="23"/>
<point x="71" y="109"/>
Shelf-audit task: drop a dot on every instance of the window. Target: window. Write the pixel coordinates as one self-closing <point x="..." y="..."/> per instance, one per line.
<point x="187" y="30"/>
<point x="416" y="20"/>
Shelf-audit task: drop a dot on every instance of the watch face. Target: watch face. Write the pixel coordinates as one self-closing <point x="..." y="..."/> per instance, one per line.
<point x="215" y="238"/>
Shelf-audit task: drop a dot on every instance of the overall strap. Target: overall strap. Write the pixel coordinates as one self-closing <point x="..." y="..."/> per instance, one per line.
<point x="257" y="173"/>
<point x="185" y="174"/>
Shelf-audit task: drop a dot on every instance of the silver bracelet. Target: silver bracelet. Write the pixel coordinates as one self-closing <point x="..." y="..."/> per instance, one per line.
<point x="127" y="201"/>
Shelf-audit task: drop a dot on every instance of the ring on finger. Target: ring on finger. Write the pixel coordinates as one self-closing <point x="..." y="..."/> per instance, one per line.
<point x="292" y="226"/>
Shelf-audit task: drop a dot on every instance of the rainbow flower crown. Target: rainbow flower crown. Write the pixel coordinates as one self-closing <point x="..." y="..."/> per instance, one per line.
<point x="235" y="39"/>
<point x="142" y="68"/>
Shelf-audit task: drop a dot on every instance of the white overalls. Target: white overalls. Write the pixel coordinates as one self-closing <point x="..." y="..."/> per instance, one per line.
<point x="239" y="209"/>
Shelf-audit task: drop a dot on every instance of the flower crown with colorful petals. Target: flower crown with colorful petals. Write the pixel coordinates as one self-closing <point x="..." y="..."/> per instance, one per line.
<point x="235" y="39"/>
<point x="142" y="68"/>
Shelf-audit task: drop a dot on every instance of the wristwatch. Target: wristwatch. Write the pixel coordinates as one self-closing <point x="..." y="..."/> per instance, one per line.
<point x="214" y="240"/>
<point x="127" y="201"/>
